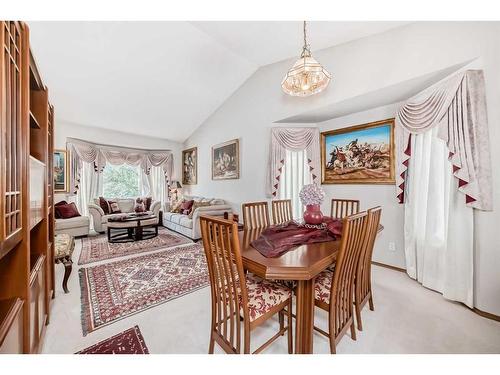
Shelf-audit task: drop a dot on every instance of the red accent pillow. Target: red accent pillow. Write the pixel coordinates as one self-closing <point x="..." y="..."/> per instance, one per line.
<point x="114" y="208"/>
<point x="104" y="205"/>
<point x="66" y="211"/>
<point x="56" y="213"/>
<point x="186" y="207"/>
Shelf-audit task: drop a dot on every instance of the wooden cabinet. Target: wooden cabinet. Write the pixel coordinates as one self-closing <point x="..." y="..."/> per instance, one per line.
<point x="26" y="231"/>
<point x="38" y="312"/>
<point x="11" y="328"/>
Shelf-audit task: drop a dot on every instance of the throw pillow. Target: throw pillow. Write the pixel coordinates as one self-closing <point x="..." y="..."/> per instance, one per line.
<point x="66" y="211"/>
<point x="114" y="208"/>
<point x="176" y="207"/>
<point x="56" y="213"/>
<point x="103" y="203"/>
<point x="147" y="202"/>
<point x="186" y="207"/>
<point x="195" y="206"/>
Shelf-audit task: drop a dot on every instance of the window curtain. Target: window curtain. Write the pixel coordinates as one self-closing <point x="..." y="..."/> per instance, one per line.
<point x="457" y="108"/>
<point x="90" y="187"/>
<point x="438" y="223"/>
<point x="295" y="140"/>
<point x="98" y="155"/>
<point x="154" y="185"/>
<point x="295" y="174"/>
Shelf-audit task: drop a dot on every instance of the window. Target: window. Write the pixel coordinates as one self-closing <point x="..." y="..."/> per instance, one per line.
<point x="295" y="174"/>
<point x="121" y="181"/>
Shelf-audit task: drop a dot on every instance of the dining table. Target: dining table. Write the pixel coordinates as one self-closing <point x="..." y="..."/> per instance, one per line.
<point x="301" y="264"/>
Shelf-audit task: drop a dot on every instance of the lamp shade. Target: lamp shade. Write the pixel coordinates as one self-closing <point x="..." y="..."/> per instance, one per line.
<point x="306" y="77"/>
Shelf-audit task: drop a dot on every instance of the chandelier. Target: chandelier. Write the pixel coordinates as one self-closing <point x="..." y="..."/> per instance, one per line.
<point x="306" y="77"/>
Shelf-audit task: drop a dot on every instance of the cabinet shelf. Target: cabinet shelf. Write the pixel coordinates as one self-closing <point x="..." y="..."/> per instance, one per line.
<point x="34" y="122"/>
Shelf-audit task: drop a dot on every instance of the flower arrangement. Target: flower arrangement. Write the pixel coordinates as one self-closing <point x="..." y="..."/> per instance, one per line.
<point x="311" y="194"/>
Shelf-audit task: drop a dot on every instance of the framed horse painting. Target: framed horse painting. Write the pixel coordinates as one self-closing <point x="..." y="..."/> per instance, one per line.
<point x="361" y="154"/>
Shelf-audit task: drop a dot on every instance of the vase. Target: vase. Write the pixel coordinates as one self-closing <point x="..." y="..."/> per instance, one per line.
<point x="313" y="215"/>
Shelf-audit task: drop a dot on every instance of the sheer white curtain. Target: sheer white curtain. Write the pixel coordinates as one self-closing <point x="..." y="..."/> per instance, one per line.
<point x="154" y="185"/>
<point x="438" y="224"/>
<point x="90" y="187"/>
<point x="295" y="174"/>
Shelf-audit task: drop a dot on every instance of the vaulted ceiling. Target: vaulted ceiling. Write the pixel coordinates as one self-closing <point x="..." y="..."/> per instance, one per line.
<point x="164" y="79"/>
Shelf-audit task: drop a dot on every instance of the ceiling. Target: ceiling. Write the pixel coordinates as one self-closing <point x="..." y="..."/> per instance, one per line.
<point x="163" y="79"/>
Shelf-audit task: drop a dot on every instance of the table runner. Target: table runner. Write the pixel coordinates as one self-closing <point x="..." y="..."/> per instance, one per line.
<point x="278" y="239"/>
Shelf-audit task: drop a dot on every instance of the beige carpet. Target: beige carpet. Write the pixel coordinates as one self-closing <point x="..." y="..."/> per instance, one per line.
<point x="407" y="319"/>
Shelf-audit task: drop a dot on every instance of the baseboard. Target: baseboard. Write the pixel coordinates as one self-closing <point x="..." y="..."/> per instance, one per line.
<point x="482" y="313"/>
<point x="485" y="314"/>
<point x="394" y="268"/>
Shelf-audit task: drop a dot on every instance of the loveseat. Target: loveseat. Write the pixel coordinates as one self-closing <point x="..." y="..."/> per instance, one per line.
<point x="126" y="205"/>
<point x="190" y="227"/>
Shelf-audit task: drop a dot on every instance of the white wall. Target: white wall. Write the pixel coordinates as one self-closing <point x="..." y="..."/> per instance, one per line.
<point x="358" y="67"/>
<point x="66" y="130"/>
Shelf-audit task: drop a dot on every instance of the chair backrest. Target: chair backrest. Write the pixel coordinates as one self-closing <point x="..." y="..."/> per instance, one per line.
<point x="255" y="215"/>
<point x="363" y="272"/>
<point x="341" y="294"/>
<point x="344" y="207"/>
<point x="227" y="280"/>
<point x="282" y="211"/>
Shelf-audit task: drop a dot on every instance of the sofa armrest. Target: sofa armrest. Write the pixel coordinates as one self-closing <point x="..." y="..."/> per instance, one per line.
<point x="95" y="207"/>
<point x="96" y="213"/>
<point x="155" y="207"/>
<point x="216" y="210"/>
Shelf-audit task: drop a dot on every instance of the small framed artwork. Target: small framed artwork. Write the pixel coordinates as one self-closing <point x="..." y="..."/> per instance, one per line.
<point x="226" y="160"/>
<point x="361" y="154"/>
<point x="190" y="166"/>
<point x="61" y="170"/>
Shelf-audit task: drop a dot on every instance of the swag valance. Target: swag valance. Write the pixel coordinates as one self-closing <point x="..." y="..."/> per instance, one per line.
<point x="458" y="107"/>
<point x="291" y="139"/>
<point x="99" y="155"/>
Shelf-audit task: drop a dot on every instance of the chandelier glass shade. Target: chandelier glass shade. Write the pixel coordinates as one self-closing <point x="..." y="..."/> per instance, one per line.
<point x="307" y="76"/>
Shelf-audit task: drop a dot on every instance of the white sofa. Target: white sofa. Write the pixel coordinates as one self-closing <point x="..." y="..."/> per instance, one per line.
<point x="74" y="226"/>
<point x="126" y="206"/>
<point x="191" y="227"/>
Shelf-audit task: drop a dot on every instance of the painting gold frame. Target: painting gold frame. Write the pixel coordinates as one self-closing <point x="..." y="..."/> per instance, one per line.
<point x="382" y="181"/>
<point x="184" y="180"/>
<point x="220" y="145"/>
<point x="65" y="189"/>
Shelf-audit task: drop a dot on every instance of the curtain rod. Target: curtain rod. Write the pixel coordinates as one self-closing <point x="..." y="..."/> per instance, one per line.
<point x="78" y="140"/>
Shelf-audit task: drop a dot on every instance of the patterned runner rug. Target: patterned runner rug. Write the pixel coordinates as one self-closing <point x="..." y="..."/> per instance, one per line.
<point x="127" y="342"/>
<point x="97" y="248"/>
<point x="116" y="290"/>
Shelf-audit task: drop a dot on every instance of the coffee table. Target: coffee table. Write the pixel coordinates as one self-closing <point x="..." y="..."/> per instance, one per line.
<point x="132" y="227"/>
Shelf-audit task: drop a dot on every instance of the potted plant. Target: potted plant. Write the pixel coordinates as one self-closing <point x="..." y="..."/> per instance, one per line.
<point x="312" y="196"/>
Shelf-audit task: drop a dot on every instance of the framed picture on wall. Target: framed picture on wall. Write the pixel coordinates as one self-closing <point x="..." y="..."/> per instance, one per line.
<point x="226" y="160"/>
<point x="190" y="166"/>
<point x="361" y="154"/>
<point x="61" y="171"/>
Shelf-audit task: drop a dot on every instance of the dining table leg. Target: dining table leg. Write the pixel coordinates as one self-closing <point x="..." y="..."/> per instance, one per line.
<point x="304" y="317"/>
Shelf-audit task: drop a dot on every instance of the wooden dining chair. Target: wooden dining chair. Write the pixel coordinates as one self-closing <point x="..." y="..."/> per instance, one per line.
<point x="255" y="215"/>
<point x="240" y="301"/>
<point x="344" y="207"/>
<point x="334" y="291"/>
<point x="362" y="283"/>
<point x="282" y="210"/>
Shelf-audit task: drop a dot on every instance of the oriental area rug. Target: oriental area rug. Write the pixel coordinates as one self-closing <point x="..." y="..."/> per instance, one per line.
<point x="97" y="248"/>
<point x="126" y="342"/>
<point x="116" y="290"/>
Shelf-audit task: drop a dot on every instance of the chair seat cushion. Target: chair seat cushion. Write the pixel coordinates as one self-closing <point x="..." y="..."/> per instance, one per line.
<point x="263" y="295"/>
<point x="63" y="245"/>
<point x="323" y="286"/>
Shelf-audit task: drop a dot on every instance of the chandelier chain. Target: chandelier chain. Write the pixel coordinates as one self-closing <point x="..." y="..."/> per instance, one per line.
<point x="306" y="51"/>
